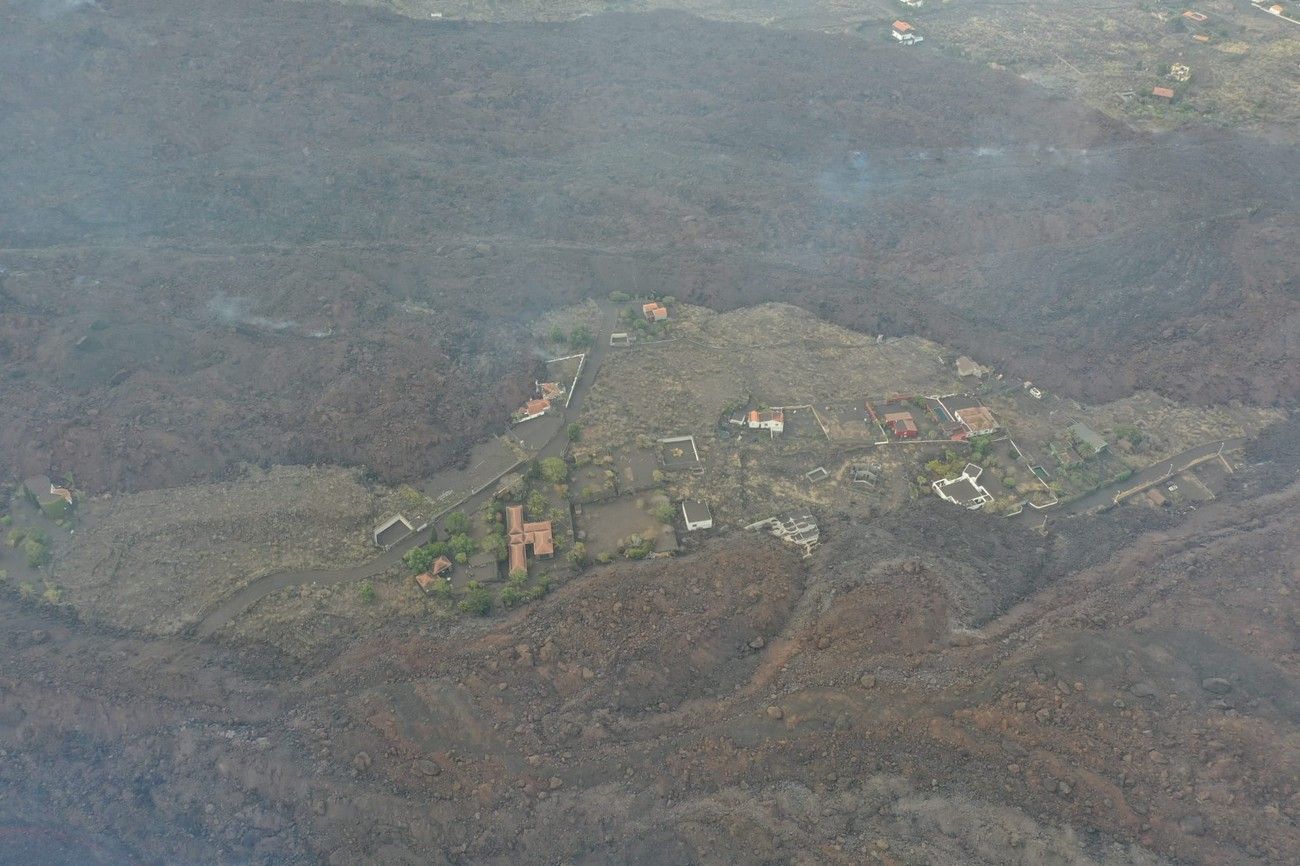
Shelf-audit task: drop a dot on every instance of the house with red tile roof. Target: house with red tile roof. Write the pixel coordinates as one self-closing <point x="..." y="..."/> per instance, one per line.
<point x="905" y="34"/>
<point x="772" y="420"/>
<point x="902" y="425"/>
<point x="654" y="311"/>
<point x="532" y="409"/>
<point x="519" y="535"/>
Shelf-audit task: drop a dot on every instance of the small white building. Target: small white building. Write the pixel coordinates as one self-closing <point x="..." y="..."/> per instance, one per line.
<point x="697" y="515"/>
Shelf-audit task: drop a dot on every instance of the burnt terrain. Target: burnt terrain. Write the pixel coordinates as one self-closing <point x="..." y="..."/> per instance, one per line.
<point x="1121" y="692"/>
<point x="268" y="233"/>
<point x="272" y="232"/>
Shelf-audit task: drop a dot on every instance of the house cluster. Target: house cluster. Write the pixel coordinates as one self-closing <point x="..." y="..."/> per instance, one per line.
<point x="654" y="312"/>
<point x="548" y="393"/>
<point x="520" y="535"/>
<point x="905" y="34"/>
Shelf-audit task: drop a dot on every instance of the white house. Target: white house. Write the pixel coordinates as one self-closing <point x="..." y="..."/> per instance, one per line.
<point x="905" y="33"/>
<point x="964" y="490"/>
<point x="697" y="515"/>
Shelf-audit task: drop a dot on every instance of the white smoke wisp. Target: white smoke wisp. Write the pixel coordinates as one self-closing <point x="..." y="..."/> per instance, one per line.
<point x="235" y="311"/>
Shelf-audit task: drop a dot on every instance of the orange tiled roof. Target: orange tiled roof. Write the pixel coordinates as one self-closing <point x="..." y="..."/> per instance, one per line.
<point x="1162" y="92"/>
<point x="902" y="26"/>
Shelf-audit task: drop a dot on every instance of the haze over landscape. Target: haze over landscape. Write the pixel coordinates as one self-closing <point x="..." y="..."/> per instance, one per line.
<point x="639" y="432"/>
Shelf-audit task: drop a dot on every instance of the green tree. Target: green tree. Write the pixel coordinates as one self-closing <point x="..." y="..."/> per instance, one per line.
<point x="497" y="546"/>
<point x="537" y="505"/>
<point x="619" y="297"/>
<point x="419" y="559"/>
<point x="558" y="336"/>
<point x="16" y="537"/>
<point x="574" y="432"/>
<point x="578" y="553"/>
<point x="1129" y="432"/>
<point x="580" y="337"/>
<point x="36" y="553"/>
<point x="554" y="469"/>
<point x="663" y="512"/>
<point x="366" y="591"/>
<point x="477" y="600"/>
<point x="457" y="523"/>
<point x="518" y="575"/>
<point x="510" y="596"/>
<point x="462" y="546"/>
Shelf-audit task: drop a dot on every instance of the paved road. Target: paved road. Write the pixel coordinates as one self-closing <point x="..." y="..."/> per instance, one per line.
<point x="216" y="617"/>
<point x="1105" y="497"/>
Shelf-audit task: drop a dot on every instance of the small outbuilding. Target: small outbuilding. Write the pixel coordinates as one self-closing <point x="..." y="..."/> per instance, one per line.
<point x="1085" y="435"/>
<point x="1163" y="93"/>
<point x="967" y="367"/>
<point x="392" y="530"/>
<point x="697" y="515"/>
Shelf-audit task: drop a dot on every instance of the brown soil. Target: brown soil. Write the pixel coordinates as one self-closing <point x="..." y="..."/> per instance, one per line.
<point x="321" y="170"/>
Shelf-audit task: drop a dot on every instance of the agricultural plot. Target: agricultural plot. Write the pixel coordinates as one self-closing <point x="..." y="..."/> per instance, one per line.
<point x="626" y="526"/>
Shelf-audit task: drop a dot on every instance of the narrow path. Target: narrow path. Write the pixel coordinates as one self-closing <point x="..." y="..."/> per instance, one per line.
<point x="220" y="614"/>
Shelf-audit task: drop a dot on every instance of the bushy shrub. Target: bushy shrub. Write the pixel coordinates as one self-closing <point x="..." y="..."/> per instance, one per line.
<point x="477" y="600"/>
